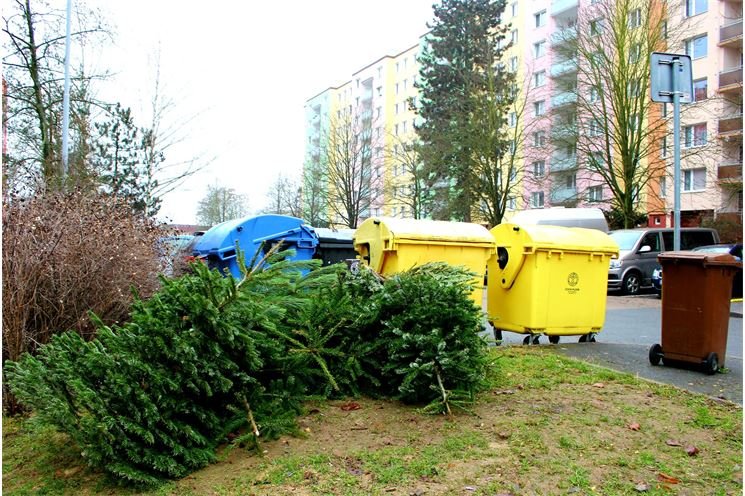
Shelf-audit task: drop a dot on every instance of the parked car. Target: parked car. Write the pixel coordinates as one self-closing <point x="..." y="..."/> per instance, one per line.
<point x="185" y="255"/>
<point x="169" y="247"/>
<point x="734" y="249"/>
<point x="633" y="268"/>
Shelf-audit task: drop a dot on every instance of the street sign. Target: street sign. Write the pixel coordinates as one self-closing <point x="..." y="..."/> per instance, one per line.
<point x="661" y="77"/>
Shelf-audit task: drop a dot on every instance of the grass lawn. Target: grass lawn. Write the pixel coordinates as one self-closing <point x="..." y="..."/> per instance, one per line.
<point x="548" y="425"/>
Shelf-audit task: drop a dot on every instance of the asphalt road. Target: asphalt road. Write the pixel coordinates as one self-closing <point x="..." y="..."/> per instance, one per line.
<point x="632" y="326"/>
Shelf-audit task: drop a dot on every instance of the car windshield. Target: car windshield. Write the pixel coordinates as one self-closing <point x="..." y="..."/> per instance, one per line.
<point x="625" y="239"/>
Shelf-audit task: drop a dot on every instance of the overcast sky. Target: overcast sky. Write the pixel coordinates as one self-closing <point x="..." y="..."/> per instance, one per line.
<point x="239" y="73"/>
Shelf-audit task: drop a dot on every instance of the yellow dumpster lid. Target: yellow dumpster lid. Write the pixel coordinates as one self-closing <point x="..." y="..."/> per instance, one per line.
<point x="557" y="238"/>
<point x="424" y="230"/>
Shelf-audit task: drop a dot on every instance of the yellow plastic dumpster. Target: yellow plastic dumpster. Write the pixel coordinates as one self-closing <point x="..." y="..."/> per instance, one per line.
<point x="391" y="245"/>
<point x="548" y="280"/>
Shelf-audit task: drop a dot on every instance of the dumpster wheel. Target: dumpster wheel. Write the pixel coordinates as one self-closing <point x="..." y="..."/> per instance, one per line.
<point x="532" y="339"/>
<point x="655" y="354"/>
<point x="553" y="339"/>
<point x="711" y="364"/>
<point x="497" y="335"/>
<point x="587" y="338"/>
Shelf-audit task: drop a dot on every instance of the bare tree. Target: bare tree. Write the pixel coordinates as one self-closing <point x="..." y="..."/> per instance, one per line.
<point x="313" y="195"/>
<point x="412" y="186"/>
<point x="347" y="164"/>
<point x="34" y="61"/>
<point x="284" y="197"/>
<point x="617" y="131"/>
<point x="221" y="204"/>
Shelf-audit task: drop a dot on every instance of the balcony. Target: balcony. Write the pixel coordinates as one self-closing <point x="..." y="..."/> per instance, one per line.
<point x="564" y="133"/>
<point x="560" y="195"/>
<point x="564" y="8"/>
<point x="563" y="36"/>
<point x="730" y="127"/>
<point x="563" y="68"/>
<point x="562" y="164"/>
<point x="729" y="172"/>
<point x="731" y="35"/>
<point x="730" y="80"/>
<point x="564" y="98"/>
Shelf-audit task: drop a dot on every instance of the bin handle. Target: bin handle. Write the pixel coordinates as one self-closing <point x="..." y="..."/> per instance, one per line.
<point x="512" y="267"/>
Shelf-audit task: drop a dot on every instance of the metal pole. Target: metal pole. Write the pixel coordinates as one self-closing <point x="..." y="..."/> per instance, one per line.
<point x="66" y="95"/>
<point x="676" y="154"/>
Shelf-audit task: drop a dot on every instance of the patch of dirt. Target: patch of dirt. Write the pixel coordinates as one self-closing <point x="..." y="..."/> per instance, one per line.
<point x="574" y="439"/>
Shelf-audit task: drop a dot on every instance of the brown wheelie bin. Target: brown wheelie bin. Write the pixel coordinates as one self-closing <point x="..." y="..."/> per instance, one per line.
<point x="695" y="308"/>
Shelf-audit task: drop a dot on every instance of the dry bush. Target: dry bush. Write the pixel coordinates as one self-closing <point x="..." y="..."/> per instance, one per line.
<point x="65" y="255"/>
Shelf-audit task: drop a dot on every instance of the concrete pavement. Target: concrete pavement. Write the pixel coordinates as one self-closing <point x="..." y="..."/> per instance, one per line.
<point x="632" y="325"/>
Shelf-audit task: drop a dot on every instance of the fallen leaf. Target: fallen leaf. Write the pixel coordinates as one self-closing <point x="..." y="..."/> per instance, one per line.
<point x="667" y="479"/>
<point x="504" y="435"/>
<point x="642" y="487"/>
<point x="634" y="426"/>
<point x="352" y="405"/>
<point x="598" y="385"/>
<point x="692" y="450"/>
<point x="672" y="442"/>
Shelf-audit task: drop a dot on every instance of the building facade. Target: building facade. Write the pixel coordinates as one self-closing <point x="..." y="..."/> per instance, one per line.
<point x="553" y="166"/>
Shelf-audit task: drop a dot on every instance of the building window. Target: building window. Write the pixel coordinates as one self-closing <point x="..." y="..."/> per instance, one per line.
<point x="594" y="94"/>
<point x="397" y="88"/>
<point x="539" y="168"/>
<point x="511" y="203"/>
<point x="697" y="47"/>
<point x="663" y="187"/>
<point x="595" y="128"/>
<point x="596" y="27"/>
<point x="513" y="64"/>
<point x="539" y="49"/>
<point x="699" y="90"/>
<point x="539" y="139"/>
<point x="406" y="84"/>
<point x="663" y="148"/>
<point x="539" y="107"/>
<point x="513" y="36"/>
<point x="635" y="18"/>
<point x="571" y="181"/>
<point x="695" y="7"/>
<point x="396" y="129"/>
<point x="540" y="19"/>
<point x="694" y="135"/>
<point x="396" y="107"/>
<point x="595" y="194"/>
<point x="513" y="119"/>
<point x="539" y="78"/>
<point x="514" y="9"/>
<point x="635" y="52"/>
<point x="694" y="179"/>
<point x="596" y="160"/>
<point x="536" y="199"/>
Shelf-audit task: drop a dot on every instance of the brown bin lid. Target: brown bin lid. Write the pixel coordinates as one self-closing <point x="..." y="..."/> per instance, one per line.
<point x="697" y="257"/>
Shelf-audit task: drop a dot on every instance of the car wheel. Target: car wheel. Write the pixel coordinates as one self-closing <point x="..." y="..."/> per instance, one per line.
<point x="631" y="283"/>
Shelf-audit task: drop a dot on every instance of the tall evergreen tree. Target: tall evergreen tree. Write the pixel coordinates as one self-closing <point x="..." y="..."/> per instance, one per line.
<point x="459" y="62"/>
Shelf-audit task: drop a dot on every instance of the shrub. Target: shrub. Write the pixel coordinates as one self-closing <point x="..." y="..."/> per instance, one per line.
<point x="66" y="254"/>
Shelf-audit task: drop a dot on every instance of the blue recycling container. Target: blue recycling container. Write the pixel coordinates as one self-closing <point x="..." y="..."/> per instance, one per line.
<point x="218" y="245"/>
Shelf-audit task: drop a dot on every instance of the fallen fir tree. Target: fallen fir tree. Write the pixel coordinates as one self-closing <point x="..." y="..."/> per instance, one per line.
<point x="207" y="355"/>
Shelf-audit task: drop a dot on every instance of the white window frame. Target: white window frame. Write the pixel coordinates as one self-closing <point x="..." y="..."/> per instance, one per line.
<point x="539" y="139"/>
<point x="540" y="18"/>
<point x="635" y="18"/>
<point x="663" y="186"/>
<point x="595" y="194"/>
<point x="539" y="79"/>
<point x="539" y="168"/>
<point x="690" y="46"/>
<point x="537" y="199"/>
<point x="694" y="180"/>
<point x="539" y="49"/>
<point x="692" y="7"/>
<point x="539" y="108"/>
<point x="689" y="136"/>
<point x="705" y="82"/>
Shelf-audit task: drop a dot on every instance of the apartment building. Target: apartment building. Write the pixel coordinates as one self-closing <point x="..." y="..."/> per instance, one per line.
<point x="553" y="169"/>
<point x="375" y="103"/>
